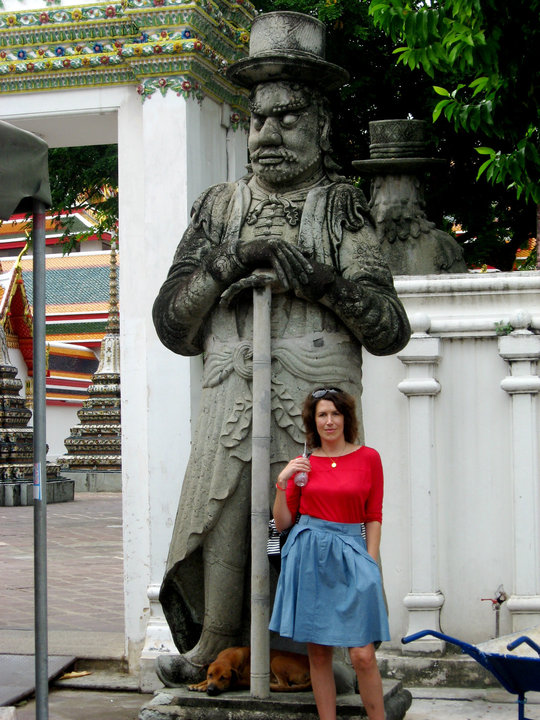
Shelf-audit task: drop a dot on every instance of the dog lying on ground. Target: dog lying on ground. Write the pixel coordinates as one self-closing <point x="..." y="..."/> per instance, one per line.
<point x="289" y="672"/>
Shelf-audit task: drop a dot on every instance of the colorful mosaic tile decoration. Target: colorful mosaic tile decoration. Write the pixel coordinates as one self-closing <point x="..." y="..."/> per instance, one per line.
<point x="156" y="45"/>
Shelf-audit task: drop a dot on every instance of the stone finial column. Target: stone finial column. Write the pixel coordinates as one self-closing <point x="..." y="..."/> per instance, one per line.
<point x="521" y="349"/>
<point x="424" y="601"/>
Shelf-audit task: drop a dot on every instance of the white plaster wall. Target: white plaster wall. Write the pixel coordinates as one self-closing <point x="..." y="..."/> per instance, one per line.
<point x="475" y="546"/>
<point x="59" y="421"/>
<point x="66" y="118"/>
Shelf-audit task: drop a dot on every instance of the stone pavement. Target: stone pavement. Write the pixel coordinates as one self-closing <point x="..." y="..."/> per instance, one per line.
<point x="85" y="577"/>
<point x="85" y="593"/>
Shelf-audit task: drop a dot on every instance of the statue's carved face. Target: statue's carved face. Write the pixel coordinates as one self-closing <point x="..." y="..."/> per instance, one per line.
<point x="284" y="136"/>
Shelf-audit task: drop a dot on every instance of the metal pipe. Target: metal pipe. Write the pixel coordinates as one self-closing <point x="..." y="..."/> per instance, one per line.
<point x="40" y="468"/>
<point x="260" y="481"/>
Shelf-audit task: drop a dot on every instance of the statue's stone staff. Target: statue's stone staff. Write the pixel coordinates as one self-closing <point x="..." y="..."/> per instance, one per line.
<point x="310" y="232"/>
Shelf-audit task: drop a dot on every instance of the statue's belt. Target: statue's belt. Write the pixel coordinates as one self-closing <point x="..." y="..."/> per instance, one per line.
<point x="315" y="358"/>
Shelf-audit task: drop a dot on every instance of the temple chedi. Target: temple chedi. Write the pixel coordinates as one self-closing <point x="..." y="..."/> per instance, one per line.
<point x="17" y="443"/>
<point x="94" y="446"/>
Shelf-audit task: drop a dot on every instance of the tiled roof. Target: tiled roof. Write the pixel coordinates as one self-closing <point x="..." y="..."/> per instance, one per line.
<point x="17" y="225"/>
<point x="71" y="368"/>
<point x="16" y="314"/>
<point x="77" y="295"/>
<point x="76" y="280"/>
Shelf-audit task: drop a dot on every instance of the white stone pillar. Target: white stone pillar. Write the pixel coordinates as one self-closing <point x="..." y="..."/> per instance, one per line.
<point x="424" y="601"/>
<point x="155" y="404"/>
<point x="170" y="149"/>
<point x="521" y="349"/>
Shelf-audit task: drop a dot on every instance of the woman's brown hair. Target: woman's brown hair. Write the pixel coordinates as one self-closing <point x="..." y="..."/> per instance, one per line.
<point x="344" y="403"/>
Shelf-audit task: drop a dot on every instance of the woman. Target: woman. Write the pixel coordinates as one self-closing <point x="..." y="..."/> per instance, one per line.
<point x="330" y="591"/>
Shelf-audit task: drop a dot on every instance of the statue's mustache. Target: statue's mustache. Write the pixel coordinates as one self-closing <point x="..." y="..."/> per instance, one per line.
<point x="288" y="155"/>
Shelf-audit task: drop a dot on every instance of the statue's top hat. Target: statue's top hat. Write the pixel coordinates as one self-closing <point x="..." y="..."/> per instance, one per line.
<point x="287" y="46"/>
<point x="397" y="147"/>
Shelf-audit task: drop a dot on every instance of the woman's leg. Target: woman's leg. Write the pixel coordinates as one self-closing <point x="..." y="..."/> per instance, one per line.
<point x="322" y="679"/>
<point x="369" y="680"/>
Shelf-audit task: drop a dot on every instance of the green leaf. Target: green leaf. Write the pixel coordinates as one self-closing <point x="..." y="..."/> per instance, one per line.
<point x="410" y="27"/>
<point x="479" y="84"/>
<point x="439" y="108"/>
<point x="482" y="168"/>
<point x="474" y="118"/>
<point x="441" y="91"/>
<point x="485" y="151"/>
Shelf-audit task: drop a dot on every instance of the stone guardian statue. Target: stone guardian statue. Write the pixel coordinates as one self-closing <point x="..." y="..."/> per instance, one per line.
<point x="410" y="243"/>
<point x="309" y="232"/>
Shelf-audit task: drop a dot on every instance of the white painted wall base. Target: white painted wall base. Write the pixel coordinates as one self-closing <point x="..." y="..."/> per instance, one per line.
<point x="158" y="641"/>
<point x="473" y="468"/>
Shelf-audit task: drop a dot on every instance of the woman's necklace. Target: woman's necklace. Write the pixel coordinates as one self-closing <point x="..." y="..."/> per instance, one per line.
<point x="333" y="463"/>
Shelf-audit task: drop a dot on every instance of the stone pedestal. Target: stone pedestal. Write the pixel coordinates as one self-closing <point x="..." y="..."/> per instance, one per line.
<point x="86" y="481"/>
<point x="185" y="705"/>
<point x="21" y="492"/>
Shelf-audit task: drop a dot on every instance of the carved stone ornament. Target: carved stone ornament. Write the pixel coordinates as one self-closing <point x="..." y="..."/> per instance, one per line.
<point x="287" y="46"/>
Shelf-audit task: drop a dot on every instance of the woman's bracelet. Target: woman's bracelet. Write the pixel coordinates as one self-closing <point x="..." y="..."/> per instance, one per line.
<point x="280" y="488"/>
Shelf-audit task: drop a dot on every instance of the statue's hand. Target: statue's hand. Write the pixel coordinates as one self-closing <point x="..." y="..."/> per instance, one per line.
<point x="224" y="265"/>
<point x="292" y="269"/>
<point x="321" y="278"/>
<point x="257" y="280"/>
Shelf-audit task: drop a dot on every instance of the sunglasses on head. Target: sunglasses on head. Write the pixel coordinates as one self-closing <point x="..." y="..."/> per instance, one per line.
<point x="324" y="391"/>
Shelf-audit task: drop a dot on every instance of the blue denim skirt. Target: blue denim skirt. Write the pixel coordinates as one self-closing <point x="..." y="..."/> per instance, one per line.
<point x="330" y="589"/>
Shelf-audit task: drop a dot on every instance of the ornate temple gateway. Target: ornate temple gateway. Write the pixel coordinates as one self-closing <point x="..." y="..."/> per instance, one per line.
<point x="162" y="45"/>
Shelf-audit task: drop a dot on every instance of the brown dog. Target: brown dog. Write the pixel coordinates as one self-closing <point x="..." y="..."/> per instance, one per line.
<point x="289" y="672"/>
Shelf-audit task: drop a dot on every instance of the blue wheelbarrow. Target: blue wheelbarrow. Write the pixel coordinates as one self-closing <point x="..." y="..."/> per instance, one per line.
<point x="517" y="674"/>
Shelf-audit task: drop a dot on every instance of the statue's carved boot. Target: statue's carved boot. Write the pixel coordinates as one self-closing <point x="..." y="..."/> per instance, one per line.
<point x="177" y="670"/>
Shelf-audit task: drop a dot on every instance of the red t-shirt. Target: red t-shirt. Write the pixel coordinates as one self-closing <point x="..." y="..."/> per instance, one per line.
<point x="351" y="492"/>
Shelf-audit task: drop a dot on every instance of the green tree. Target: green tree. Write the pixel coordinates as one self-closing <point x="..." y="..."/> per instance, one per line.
<point x="497" y="222"/>
<point x="84" y="177"/>
<point x="487" y="52"/>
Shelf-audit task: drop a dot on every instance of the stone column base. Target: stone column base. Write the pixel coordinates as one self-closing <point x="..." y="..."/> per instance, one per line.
<point x="424" y="614"/>
<point x="525" y="611"/>
<point x="87" y="481"/>
<point x="158" y="641"/>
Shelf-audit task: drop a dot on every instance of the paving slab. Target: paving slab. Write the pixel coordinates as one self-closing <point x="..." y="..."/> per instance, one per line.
<point x="469" y="704"/>
<point x="427" y="704"/>
<point x="17" y="675"/>
<point x="87" y="705"/>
